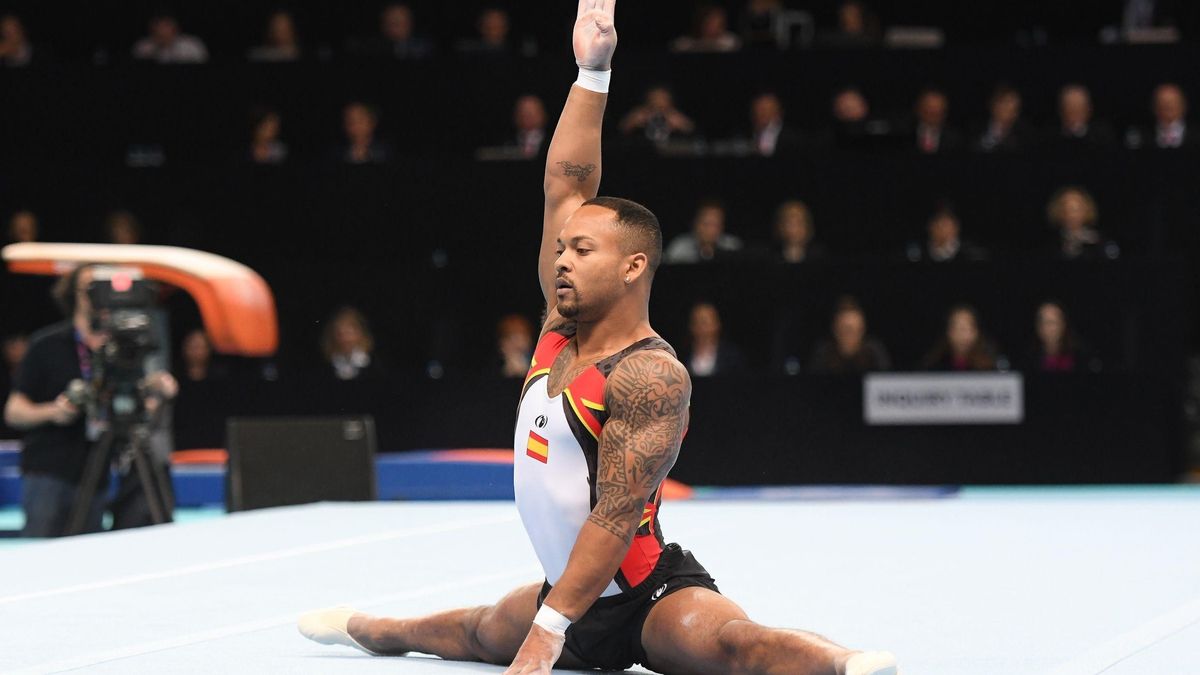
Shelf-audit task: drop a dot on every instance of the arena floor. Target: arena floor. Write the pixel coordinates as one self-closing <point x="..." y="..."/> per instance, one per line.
<point x="991" y="581"/>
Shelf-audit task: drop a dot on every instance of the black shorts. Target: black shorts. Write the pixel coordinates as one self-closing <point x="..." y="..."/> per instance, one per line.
<point x="609" y="635"/>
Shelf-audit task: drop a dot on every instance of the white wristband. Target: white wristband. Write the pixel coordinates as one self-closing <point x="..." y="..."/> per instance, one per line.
<point x="552" y="621"/>
<point x="594" y="80"/>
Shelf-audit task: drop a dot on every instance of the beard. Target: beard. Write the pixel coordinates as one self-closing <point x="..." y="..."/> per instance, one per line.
<point x="569" y="309"/>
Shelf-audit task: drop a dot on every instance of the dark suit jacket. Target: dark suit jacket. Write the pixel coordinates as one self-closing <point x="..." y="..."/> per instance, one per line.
<point x="1146" y="138"/>
<point x="1019" y="139"/>
<point x="951" y="140"/>
<point x="1099" y="136"/>
<point x="790" y="142"/>
<point x="729" y="359"/>
<point x="967" y="252"/>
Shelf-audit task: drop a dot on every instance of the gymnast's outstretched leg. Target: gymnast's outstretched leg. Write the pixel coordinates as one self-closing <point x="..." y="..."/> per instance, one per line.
<point x="487" y="633"/>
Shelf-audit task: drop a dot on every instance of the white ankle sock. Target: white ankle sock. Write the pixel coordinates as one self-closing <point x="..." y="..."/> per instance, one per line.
<point x="872" y="663"/>
<point x="328" y="626"/>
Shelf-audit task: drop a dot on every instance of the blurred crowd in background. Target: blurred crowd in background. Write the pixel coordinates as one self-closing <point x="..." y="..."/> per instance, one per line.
<point x="156" y="32"/>
<point x="936" y="121"/>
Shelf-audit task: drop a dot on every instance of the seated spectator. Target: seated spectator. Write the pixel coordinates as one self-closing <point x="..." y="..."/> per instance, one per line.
<point x="348" y="345"/>
<point x="1059" y="349"/>
<point x="853" y="124"/>
<point x="759" y="23"/>
<point x="492" y="29"/>
<point x="197" y="359"/>
<point x="944" y="242"/>
<point x="850" y="106"/>
<point x="122" y="227"/>
<point x="710" y="33"/>
<point x="514" y="342"/>
<point x="857" y="27"/>
<point x="529" y="121"/>
<point x="1170" y="130"/>
<point x="706" y="241"/>
<point x="397" y="37"/>
<point x="528" y="139"/>
<point x="265" y="144"/>
<point x="794" y="230"/>
<point x="657" y="118"/>
<point x="932" y="135"/>
<point x="850" y="349"/>
<point x="15" y="48"/>
<point x="23" y="227"/>
<point x="359" y="121"/>
<point x="1077" y="128"/>
<point x="280" y="43"/>
<point x="707" y="354"/>
<point x="1072" y="212"/>
<point x="768" y="134"/>
<point x="1005" y="130"/>
<point x="167" y="44"/>
<point x="963" y="347"/>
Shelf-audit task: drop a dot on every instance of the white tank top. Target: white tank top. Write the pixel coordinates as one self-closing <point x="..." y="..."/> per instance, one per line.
<point x="556" y="445"/>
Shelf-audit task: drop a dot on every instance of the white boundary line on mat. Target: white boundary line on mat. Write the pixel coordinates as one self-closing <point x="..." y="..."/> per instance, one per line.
<point x="97" y="658"/>
<point x="1125" y="645"/>
<point x="293" y="552"/>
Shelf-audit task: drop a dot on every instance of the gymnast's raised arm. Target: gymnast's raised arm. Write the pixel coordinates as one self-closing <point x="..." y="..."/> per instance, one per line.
<point x="573" y="160"/>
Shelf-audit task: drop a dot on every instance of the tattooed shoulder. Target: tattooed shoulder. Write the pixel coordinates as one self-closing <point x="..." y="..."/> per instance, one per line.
<point x="648" y="385"/>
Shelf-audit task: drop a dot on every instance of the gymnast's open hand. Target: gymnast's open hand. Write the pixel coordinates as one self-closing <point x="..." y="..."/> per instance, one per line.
<point x="595" y="37"/>
<point x="538" y="653"/>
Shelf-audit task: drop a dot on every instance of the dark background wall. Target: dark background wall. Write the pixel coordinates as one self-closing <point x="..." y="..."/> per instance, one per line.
<point x="435" y="246"/>
<point x="229" y="26"/>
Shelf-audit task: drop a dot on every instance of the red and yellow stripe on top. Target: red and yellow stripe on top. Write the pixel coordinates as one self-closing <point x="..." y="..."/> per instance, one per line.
<point x="544" y="354"/>
<point x="646" y="548"/>
<point x="647" y="516"/>
<point x="585" y="395"/>
<point x="538" y="448"/>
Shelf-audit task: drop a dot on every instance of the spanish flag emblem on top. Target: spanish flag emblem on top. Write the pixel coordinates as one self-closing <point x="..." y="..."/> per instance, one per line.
<point x="538" y="448"/>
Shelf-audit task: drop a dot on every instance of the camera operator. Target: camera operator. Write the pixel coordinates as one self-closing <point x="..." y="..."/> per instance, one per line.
<point x="58" y="433"/>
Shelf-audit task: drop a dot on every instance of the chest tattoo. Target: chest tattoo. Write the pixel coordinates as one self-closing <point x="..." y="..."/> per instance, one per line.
<point x="564" y="371"/>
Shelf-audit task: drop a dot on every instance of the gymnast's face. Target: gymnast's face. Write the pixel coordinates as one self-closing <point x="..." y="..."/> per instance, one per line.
<point x="591" y="264"/>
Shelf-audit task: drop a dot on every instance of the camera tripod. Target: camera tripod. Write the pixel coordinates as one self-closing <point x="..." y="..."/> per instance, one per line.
<point x="135" y="441"/>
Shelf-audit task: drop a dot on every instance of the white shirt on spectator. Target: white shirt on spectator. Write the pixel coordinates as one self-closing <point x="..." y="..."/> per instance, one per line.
<point x="944" y="253"/>
<point x="684" y="249"/>
<point x="1171" y="135"/>
<point x="768" y="138"/>
<point x="183" y="49"/>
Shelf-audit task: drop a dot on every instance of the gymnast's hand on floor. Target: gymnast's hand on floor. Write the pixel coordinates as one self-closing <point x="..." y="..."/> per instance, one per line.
<point x="595" y="37"/>
<point x="538" y="653"/>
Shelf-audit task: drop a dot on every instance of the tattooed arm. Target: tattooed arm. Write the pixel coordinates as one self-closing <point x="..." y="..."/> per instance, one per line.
<point x="573" y="160"/>
<point x="647" y="397"/>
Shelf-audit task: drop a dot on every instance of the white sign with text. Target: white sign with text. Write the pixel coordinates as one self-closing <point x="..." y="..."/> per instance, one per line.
<point x="943" y="398"/>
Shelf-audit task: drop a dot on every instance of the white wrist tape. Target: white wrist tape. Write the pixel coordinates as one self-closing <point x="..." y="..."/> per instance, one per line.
<point x="594" y="80"/>
<point x="552" y="621"/>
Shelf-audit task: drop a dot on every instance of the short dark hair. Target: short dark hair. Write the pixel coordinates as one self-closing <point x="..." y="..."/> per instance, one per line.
<point x="943" y="208"/>
<point x="1003" y="89"/>
<point x="847" y="303"/>
<point x="645" y="234"/>
<point x="370" y="109"/>
<point x="64" y="290"/>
